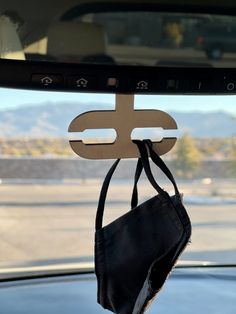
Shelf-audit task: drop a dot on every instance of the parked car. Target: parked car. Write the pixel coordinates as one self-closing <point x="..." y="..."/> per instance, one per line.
<point x="216" y="39"/>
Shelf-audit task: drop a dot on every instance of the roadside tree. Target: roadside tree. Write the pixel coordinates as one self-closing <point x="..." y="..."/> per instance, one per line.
<point x="187" y="159"/>
<point x="232" y="157"/>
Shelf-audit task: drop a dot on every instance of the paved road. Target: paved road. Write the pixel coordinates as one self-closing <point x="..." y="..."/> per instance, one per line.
<point x="39" y="223"/>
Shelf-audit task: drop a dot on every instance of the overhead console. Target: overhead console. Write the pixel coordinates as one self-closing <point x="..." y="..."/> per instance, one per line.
<point x="116" y="79"/>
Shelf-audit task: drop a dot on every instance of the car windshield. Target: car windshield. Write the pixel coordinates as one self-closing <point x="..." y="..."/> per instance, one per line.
<point x="49" y="195"/>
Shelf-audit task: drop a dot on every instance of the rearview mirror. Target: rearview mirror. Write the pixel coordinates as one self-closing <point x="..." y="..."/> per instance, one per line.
<point x="142" y="47"/>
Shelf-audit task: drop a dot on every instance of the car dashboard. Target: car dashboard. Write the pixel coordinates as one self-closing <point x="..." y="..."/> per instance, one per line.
<point x="193" y="289"/>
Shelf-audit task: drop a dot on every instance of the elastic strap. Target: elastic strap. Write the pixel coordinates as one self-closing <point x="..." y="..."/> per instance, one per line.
<point x="139" y="168"/>
<point x="105" y="186"/>
<point x="160" y="163"/>
<point x="143" y="162"/>
<point x="146" y="165"/>
<point x="103" y="195"/>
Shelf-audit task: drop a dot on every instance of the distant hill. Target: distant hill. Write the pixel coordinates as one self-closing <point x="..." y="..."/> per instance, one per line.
<point x="52" y="120"/>
<point x="199" y="124"/>
<point x="48" y="119"/>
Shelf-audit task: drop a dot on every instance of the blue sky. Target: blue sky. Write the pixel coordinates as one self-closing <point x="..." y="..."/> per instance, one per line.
<point x="11" y="98"/>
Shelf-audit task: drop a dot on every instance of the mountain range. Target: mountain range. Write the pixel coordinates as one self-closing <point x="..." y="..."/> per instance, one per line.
<point x="52" y="120"/>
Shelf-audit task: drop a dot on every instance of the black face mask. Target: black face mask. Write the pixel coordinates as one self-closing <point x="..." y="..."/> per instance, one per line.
<point x="135" y="253"/>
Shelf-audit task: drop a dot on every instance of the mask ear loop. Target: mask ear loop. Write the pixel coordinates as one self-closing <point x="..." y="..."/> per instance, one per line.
<point x="146" y="165"/>
<point x="105" y="186"/>
<point x="138" y="172"/>
<point x="103" y="195"/>
<point x="160" y="164"/>
<point x="143" y="162"/>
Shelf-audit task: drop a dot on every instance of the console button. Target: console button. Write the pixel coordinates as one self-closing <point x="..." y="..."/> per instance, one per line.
<point x="83" y="82"/>
<point x="140" y="85"/>
<point x="230" y="86"/>
<point x="47" y="80"/>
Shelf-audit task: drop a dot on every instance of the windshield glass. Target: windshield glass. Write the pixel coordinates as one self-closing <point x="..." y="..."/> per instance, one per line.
<point x="49" y="195"/>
